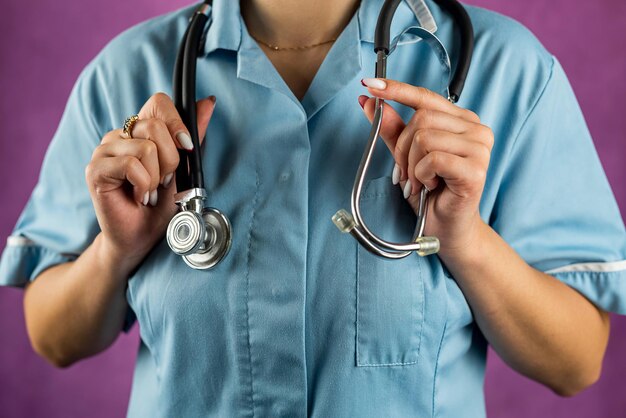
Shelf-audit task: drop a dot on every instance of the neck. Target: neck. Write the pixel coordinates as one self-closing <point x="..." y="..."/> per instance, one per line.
<point x="296" y="23"/>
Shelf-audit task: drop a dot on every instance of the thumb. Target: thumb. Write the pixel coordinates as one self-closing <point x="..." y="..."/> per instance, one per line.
<point x="204" y="109"/>
<point x="392" y="125"/>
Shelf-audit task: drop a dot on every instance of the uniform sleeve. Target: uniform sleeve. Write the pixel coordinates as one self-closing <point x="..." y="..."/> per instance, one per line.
<point x="555" y="206"/>
<point x="59" y="221"/>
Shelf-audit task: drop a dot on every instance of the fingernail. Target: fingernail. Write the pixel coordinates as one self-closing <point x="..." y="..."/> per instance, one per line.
<point x="374" y="83"/>
<point x="407" y="189"/>
<point x="213" y="99"/>
<point x="167" y="180"/>
<point x="395" y="176"/>
<point x="362" y="100"/>
<point x="185" y="140"/>
<point x="145" y="198"/>
<point x="154" y="197"/>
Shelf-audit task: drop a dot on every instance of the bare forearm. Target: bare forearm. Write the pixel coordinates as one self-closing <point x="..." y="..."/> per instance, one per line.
<point x="77" y="309"/>
<point x="538" y="325"/>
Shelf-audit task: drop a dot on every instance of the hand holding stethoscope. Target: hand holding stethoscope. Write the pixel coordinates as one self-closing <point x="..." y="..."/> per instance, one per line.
<point x="130" y="179"/>
<point x="443" y="147"/>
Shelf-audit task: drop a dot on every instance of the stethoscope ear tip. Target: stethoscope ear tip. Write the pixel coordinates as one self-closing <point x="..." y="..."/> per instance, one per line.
<point x="344" y="221"/>
<point x="429" y="246"/>
<point x="422" y="245"/>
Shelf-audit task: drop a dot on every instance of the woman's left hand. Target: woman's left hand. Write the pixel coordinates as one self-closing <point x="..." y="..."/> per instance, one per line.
<point x="443" y="147"/>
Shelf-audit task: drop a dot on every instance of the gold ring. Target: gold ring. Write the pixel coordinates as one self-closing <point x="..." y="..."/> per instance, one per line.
<point x="129" y="123"/>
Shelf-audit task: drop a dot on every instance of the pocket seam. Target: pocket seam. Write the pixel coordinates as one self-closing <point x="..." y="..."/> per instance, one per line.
<point x="421" y="328"/>
<point x="375" y="189"/>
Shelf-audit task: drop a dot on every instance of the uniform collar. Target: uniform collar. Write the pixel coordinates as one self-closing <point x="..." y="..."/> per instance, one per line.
<point x="341" y="66"/>
<point x="224" y="30"/>
<point x="226" y="23"/>
<point x="418" y="12"/>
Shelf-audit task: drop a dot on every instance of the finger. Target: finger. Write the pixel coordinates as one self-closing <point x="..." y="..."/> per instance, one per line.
<point x="435" y="119"/>
<point x="392" y="124"/>
<point x="160" y="106"/>
<point x="156" y="131"/>
<point x="106" y="174"/>
<point x="426" y="141"/>
<point x="462" y="175"/>
<point x="112" y="136"/>
<point x="429" y="119"/>
<point x="144" y="150"/>
<point x="415" y="97"/>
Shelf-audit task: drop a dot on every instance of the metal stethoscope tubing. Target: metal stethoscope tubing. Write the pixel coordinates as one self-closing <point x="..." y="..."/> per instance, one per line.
<point x="353" y="222"/>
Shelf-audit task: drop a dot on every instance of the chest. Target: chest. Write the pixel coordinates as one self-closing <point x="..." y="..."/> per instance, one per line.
<point x="294" y="294"/>
<point x="297" y="68"/>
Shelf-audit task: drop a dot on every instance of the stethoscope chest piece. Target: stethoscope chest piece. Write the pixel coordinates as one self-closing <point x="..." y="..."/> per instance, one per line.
<point x="202" y="236"/>
<point x="217" y="242"/>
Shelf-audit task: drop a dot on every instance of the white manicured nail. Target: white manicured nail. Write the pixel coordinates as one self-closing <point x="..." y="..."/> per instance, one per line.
<point x="154" y="197"/>
<point x="395" y="176"/>
<point x="185" y="140"/>
<point x="145" y="198"/>
<point x="374" y="83"/>
<point x="167" y="180"/>
<point x="407" y="189"/>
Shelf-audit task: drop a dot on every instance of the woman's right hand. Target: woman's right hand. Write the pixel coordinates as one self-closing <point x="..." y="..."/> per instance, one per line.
<point x="132" y="181"/>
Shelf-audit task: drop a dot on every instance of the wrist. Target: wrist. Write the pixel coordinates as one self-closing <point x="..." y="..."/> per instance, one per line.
<point x="473" y="251"/>
<point x="110" y="258"/>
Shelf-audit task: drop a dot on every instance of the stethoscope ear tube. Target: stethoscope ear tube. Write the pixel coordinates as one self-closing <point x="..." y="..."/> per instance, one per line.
<point x="382" y="37"/>
<point x="191" y="174"/>
<point x="196" y="27"/>
<point x="183" y="181"/>
<point x="466" y="49"/>
<point x="353" y="222"/>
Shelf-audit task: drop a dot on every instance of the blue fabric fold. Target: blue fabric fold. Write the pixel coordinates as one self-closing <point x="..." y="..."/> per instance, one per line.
<point x="21" y="264"/>
<point x="607" y="290"/>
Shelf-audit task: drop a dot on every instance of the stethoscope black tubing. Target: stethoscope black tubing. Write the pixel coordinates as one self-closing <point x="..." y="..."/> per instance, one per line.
<point x="462" y="22"/>
<point x="466" y="49"/>
<point x="189" y="175"/>
<point x="382" y="37"/>
<point x="183" y="180"/>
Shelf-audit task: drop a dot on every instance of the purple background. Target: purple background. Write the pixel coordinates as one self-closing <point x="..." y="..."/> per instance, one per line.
<point x="45" y="45"/>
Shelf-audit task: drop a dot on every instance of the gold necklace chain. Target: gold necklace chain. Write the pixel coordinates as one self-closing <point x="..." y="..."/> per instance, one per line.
<point x="291" y="48"/>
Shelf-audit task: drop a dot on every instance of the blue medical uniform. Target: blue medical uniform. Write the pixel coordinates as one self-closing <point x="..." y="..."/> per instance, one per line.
<point x="299" y="320"/>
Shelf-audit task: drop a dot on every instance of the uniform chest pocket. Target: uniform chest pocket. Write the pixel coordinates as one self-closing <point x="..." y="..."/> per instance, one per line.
<point x="390" y="293"/>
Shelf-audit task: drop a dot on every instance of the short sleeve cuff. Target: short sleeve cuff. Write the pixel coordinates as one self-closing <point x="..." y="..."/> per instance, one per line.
<point x="604" y="284"/>
<point x="23" y="260"/>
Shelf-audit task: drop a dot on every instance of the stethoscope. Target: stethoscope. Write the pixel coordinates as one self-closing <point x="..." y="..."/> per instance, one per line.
<point x="202" y="235"/>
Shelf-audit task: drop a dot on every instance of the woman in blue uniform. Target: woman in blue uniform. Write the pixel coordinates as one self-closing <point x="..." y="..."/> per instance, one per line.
<point x="298" y="319"/>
